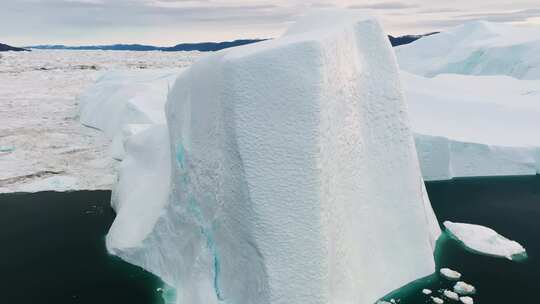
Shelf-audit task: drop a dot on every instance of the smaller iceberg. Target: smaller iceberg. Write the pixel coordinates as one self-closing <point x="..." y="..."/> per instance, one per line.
<point x="485" y="240"/>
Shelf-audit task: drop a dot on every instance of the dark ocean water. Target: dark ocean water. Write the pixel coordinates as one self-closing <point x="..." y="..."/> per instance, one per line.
<point x="53" y="248"/>
<point x="511" y="206"/>
<point x="53" y="251"/>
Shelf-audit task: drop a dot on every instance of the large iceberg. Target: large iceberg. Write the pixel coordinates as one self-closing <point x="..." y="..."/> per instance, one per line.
<point x="292" y="177"/>
<point x="474" y="125"/>
<point x="475" y="48"/>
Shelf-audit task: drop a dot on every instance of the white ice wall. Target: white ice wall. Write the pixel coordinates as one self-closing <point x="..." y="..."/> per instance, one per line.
<point x="294" y="175"/>
<point x="474" y="125"/>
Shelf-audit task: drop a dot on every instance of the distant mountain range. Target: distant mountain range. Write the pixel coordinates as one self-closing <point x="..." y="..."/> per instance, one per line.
<point x="5" y="48"/>
<point x="401" y="40"/>
<point x="201" y="47"/>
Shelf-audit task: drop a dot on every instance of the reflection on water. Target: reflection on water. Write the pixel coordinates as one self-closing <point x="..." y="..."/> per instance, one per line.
<point x="511" y="206"/>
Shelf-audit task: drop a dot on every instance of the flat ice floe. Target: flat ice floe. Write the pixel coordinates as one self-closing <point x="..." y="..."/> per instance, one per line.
<point x="484" y="240"/>
<point x="292" y="166"/>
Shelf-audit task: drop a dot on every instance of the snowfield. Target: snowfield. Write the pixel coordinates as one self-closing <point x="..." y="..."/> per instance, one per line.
<point x="43" y="146"/>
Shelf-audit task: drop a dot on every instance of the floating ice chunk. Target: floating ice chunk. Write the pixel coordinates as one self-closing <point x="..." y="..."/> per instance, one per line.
<point x="484" y="240"/>
<point x="450" y="274"/>
<point x="451" y="295"/>
<point x="464" y="289"/>
<point x="437" y="300"/>
<point x="427" y="291"/>
<point x="466" y="300"/>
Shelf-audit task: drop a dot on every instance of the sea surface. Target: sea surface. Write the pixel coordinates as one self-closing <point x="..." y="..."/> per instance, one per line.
<point x="53" y="247"/>
<point x="53" y="251"/>
<point x="511" y="206"/>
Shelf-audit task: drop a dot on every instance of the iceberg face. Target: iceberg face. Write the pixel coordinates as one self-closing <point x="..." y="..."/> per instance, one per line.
<point x="475" y="48"/>
<point x="293" y="175"/>
<point x="474" y="125"/>
<point x="442" y="158"/>
<point x="142" y="189"/>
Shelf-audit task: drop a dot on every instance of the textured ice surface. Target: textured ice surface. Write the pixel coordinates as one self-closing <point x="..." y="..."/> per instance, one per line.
<point x="292" y="166"/>
<point x="476" y="48"/>
<point x="474" y="125"/>
<point x="484" y="240"/>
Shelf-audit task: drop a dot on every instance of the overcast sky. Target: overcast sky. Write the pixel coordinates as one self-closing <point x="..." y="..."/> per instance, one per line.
<point x="168" y="22"/>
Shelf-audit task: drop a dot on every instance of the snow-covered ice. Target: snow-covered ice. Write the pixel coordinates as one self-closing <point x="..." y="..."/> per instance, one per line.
<point x="484" y="240"/>
<point x="44" y="147"/>
<point x="464" y="289"/>
<point x="476" y="48"/>
<point x="295" y="178"/>
<point x="450" y="274"/>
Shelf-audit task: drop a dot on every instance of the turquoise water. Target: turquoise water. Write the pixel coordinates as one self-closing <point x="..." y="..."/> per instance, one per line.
<point x="511" y="206"/>
<point x="53" y="251"/>
<point x="53" y="248"/>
